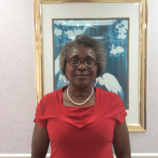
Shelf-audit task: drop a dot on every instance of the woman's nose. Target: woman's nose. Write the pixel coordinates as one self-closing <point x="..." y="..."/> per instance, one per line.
<point x="81" y="66"/>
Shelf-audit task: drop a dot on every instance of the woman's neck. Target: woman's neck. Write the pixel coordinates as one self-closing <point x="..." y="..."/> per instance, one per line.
<point x="79" y="93"/>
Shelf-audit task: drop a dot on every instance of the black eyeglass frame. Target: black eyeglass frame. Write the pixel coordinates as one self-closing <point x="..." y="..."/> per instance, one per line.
<point x="82" y="61"/>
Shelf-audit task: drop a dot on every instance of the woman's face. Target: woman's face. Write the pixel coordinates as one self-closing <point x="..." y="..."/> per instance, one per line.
<point x="81" y="76"/>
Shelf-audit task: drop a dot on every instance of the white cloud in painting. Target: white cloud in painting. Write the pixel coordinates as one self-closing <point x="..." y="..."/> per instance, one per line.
<point x="77" y="24"/>
<point x="89" y="25"/>
<point x="118" y="25"/>
<point x="121" y="32"/>
<point x="78" y="31"/>
<point x="57" y="32"/>
<point x="72" y="34"/>
<point x="121" y="36"/>
<point x="125" y="24"/>
<point x="116" y="50"/>
<point x="64" y="23"/>
<point x="57" y="22"/>
<point x="122" y="29"/>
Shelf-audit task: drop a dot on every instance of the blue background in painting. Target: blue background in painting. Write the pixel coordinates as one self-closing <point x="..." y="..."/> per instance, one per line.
<point x="114" y="36"/>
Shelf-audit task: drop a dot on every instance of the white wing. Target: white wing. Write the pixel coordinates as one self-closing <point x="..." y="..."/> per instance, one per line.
<point x="111" y="83"/>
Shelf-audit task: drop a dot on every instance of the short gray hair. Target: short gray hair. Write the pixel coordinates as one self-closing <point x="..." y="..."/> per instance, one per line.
<point x="88" y="41"/>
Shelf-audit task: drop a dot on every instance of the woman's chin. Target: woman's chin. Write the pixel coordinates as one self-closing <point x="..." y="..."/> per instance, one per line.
<point x="82" y="83"/>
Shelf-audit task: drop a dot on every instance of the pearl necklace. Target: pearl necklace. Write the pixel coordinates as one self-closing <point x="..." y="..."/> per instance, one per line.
<point x="79" y="103"/>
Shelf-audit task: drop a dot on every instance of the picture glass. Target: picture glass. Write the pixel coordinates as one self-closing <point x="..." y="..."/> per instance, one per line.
<point x="114" y="34"/>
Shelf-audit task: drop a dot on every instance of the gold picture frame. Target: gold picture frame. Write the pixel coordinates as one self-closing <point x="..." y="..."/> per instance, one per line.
<point x="140" y="125"/>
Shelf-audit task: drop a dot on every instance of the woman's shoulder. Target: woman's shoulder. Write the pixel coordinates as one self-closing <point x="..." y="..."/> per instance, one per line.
<point x="105" y="92"/>
<point x="52" y="96"/>
<point x="111" y="100"/>
<point x="107" y="96"/>
<point x="49" y="103"/>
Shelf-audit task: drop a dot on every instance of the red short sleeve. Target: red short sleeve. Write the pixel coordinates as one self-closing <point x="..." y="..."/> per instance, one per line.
<point x="120" y="110"/>
<point x="39" y="116"/>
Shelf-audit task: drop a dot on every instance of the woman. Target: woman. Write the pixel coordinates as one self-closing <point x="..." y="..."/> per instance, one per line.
<point x="79" y="120"/>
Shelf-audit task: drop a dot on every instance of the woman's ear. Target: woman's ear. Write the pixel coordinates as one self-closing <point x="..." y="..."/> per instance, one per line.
<point x="65" y="72"/>
<point x="66" y="79"/>
<point x="95" y="80"/>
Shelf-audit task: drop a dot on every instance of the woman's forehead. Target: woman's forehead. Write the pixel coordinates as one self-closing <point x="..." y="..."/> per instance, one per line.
<point x="81" y="51"/>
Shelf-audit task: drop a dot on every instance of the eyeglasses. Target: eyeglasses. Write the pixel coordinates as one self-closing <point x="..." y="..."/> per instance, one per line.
<point x="75" y="62"/>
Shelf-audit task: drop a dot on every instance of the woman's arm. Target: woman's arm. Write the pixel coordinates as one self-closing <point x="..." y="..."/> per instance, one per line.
<point x="40" y="142"/>
<point x="121" y="141"/>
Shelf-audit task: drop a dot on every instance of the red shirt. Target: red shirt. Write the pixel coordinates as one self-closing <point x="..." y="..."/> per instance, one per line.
<point x="81" y="132"/>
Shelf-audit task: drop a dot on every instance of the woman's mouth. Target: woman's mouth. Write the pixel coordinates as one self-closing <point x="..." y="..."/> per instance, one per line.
<point x="81" y="76"/>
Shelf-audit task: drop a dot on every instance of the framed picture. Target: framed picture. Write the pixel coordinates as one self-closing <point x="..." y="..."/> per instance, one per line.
<point x="113" y="33"/>
<point x="122" y="28"/>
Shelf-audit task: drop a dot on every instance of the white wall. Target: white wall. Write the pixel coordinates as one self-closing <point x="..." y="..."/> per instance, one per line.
<point x="18" y="85"/>
<point x="17" y="75"/>
<point x="148" y="142"/>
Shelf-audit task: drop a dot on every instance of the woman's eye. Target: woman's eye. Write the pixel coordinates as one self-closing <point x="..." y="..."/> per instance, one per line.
<point x="74" y="61"/>
<point x="89" y="61"/>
